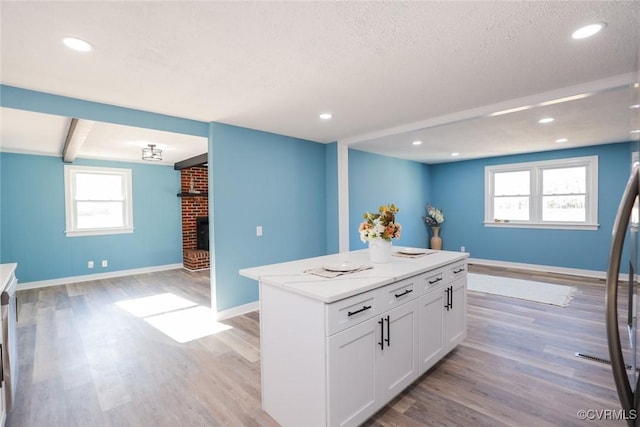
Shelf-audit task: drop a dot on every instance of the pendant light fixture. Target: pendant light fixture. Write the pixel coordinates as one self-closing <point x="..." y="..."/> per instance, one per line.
<point x="151" y="153"/>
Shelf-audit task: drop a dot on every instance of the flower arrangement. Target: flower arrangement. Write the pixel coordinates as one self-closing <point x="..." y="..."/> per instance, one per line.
<point x="382" y="225"/>
<point x="434" y="216"/>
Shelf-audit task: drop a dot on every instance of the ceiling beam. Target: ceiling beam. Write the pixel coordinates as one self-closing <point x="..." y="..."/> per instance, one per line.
<point x="596" y="86"/>
<point x="76" y="137"/>
<point x="199" y="160"/>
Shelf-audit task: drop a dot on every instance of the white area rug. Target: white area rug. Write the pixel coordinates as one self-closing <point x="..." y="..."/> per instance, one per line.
<point x="523" y="289"/>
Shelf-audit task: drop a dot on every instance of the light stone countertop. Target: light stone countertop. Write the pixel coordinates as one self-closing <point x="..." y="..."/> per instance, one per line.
<point x="6" y="271"/>
<point x="291" y="275"/>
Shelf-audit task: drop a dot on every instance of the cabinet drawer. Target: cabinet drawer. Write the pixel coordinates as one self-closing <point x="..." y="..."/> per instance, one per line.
<point x="400" y="292"/>
<point x="432" y="279"/>
<point x="353" y="310"/>
<point x="457" y="271"/>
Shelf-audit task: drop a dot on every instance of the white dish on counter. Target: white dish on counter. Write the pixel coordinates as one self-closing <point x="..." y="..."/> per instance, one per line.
<point x="413" y="251"/>
<point x="340" y="268"/>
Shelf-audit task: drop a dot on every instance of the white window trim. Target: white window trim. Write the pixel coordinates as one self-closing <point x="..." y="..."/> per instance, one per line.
<point x="71" y="230"/>
<point x="536" y="168"/>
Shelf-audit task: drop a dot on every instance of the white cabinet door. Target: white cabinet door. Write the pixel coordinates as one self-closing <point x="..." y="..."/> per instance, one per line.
<point x="431" y="328"/>
<point x="371" y="363"/>
<point x="354" y="368"/>
<point x="455" y="318"/>
<point x="3" y="411"/>
<point x="400" y="353"/>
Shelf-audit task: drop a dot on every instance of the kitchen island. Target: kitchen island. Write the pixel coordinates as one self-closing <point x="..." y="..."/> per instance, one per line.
<point x="335" y="350"/>
<point x="8" y="339"/>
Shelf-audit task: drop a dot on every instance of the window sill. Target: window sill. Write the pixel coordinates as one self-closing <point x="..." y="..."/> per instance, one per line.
<point x="98" y="232"/>
<point x="548" y="225"/>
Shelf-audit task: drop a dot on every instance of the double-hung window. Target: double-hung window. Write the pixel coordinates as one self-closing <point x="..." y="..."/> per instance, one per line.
<point x="97" y="200"/>
<point x="547" y="194"/>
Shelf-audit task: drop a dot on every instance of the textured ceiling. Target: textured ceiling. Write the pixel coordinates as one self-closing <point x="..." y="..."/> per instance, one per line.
<point x="274" y="66"/>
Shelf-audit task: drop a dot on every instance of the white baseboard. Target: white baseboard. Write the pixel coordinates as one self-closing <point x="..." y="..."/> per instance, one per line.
<point x="97" y="276"/>
<point x="237" y="311"/>
<point x="545" y="268"/>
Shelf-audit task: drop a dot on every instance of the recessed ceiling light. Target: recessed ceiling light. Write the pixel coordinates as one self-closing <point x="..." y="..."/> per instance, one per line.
<point x="561" y="140"/>
<point x="326" y="116"/>
<point x="636" y="85"/>
<point x="588" y="30"/>
<point x="417" y="142"/>
<point x="77" y="44"/>
<point x="546" y="120"/>
<point x="634" y="106"/>
<point x="635" y="131"/>
<point x="455" y="154"/>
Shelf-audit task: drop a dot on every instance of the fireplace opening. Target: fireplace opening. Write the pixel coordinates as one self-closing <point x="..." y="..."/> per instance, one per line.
<point x="202" y="233"/>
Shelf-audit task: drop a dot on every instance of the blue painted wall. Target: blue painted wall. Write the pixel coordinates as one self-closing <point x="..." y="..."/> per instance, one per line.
<point x="458" y="188"/>
<point x="260" y="178"/>
<point x="288" y="186"/>
<point x="32" y="220"/>
<point x="331" y="186"/>
<point x="376" y="180"/>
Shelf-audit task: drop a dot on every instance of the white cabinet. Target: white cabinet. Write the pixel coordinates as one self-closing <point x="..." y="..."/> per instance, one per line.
<point x="455" y="314"/>
<point x="354" y="373"/>
<point x="8" y="283"/>
<point x="443" y="313"/>
<point x="431" y="329"/>
<point x="3" y="384"/>
<point x="400" y="352"/>
<point x="351" y="311"/>
<point x="335" y="361"/>
<point x="371" y="363"/>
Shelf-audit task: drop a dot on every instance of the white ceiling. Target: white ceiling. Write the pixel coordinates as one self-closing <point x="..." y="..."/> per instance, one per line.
<point x="44" y="134"/>
<point x="601" y="118"/>
<point x="385" y="70"/>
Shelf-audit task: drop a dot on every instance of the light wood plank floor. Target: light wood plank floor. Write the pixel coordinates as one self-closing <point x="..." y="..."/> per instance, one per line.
<point x="84" y="361"/>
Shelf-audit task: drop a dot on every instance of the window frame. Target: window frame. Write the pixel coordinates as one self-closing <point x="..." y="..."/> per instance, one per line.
<point x="70" y="172"/>
<point x="536" y="193"/>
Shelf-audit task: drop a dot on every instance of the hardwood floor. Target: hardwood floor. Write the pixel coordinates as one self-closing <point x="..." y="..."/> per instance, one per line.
<point x="86" y="361"/>
<point x="518" y="365"/>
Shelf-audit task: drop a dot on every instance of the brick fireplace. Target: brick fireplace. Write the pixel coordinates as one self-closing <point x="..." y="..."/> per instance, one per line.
<point x="194" y="187"/>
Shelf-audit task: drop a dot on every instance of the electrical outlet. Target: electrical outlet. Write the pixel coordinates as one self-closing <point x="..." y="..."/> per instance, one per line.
<point x="90" y="264"/>
<point x="462" y="249"/>
<point x="258" y="230"/>
<point x="104" y="263"/>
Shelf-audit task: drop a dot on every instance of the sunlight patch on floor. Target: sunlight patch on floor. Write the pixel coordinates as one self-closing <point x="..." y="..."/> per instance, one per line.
<point x="156" y="304"/>
<point x="178" y="318"/>
<point x="188" y="324"/>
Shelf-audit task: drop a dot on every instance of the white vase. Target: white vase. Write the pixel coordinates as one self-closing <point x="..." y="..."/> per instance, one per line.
<point x="380" y="251"/>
